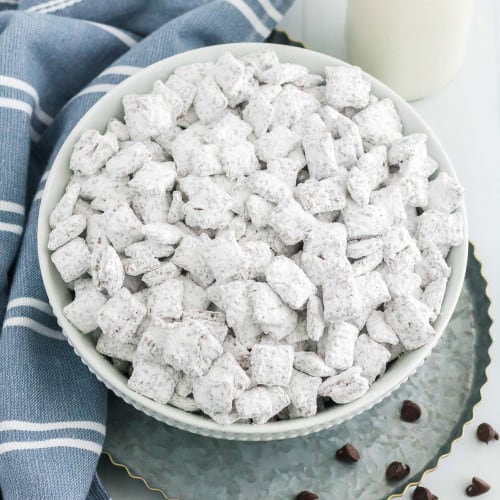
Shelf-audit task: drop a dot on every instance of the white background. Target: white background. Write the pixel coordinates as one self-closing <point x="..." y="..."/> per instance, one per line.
<point x="465" y="116"/>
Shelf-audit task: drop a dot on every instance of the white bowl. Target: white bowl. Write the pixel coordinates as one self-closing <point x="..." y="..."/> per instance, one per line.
<point x="59" y="295"/>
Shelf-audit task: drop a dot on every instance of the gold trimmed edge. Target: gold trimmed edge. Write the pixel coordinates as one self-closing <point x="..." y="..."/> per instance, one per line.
<point x="131" y="475"/>
<point x="474" y="408"/>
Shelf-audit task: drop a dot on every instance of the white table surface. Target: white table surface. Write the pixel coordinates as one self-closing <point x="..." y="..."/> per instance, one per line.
<point x="465" y="116"/>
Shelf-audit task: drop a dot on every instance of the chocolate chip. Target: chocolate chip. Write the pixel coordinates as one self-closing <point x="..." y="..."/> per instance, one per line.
<point x="486" y="433"/>
<point x="478" y="487"/>
<point x="348" y="454"/>
<point x="306" y="495"/>
<point x="410" y="411"/>
<point x="421" y="493"/>
<point x="396" y="471"/>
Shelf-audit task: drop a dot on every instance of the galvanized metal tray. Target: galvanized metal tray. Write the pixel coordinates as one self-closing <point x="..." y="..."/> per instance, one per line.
<point x="448" y="386"/>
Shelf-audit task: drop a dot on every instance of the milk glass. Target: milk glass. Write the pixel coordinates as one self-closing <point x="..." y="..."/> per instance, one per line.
<point x="415" y="46"/>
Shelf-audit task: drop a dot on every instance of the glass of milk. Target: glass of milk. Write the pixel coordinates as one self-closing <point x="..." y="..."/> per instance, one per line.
<point x="415" y="46"/>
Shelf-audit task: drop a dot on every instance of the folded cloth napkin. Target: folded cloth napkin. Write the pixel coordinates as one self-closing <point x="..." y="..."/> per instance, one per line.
<point x="57" y="58"/>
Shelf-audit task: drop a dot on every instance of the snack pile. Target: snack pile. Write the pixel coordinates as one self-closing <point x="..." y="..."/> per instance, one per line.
<point x="254" y="241"/>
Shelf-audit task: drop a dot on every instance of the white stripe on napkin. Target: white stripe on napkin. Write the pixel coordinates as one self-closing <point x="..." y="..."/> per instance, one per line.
<point x="126" y="39"/>
<point x="52" y="6"/>
<point x="120" y="70"/>
<point x="250" y="16"/>
<point x="271" y="10"/>
<point x="20" y="425"/>
<point x="6" y="102"/>
<point x="10" y="206"/>
<point x="96" y="89"/>
<point x="35" y="326"/>
<point x="38" y="195"/>
<point x="30" y="302"/>
<point x="11" y="228"/>
<point x="51" y="443"/>
<point x="15" y="83"/>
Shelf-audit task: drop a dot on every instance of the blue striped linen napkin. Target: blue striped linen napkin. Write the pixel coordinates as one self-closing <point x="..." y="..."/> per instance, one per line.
<point x="57" y="58"/>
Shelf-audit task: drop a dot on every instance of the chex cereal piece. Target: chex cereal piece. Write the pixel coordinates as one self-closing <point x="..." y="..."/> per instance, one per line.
<point x="445" y="193"/>
<point x="173" y="101"/>
<point x="359" y="186"/>
<point x="185" y="386"/>
<point x="373" y="290"/>
<point x="66" y="230"/>
<point x="356" y="249"/>
<point x="395" y="240"/>
<point x="289" y="282"/>
<point x="407" y="147"/>
<point x="227" y="129"/>
<point x="158" y="250"/>
<point x="259" y="113"/>
<point x="261" y="59"/>
<point x="194" y="72"/>
<point x="439" y="228"/>
<point x="143" y="263"/>
<point x="325" y="239"/>
<point x="240" y="353"/>
<point x="150" y="346"/>
<point x="154" y="177"/>
<point x="214" y="322"/>
<point x="407" y="258"/>
<point x="205" y="160"/>
<point x="256" y="404"/>
<point x="409" y="318"/>
<point x="276" y="144"/>
<point x="115" y="349"/>
<point x="271" y="364"/>
<point x="312" y="364"/>
<point x="432" y="266"/>
<point x="404" y="282"/>
<point x="368" y="263"/>
<point x="162" y="233"/>
<point x="190" y="348"/>
<point x="321" y="196"/>
<point x="184" y="403"/>
<point x="315" y="324"/>
<point x="165" y="300"/>
<point x="345" y="387"/>
<point x="182" y="149"/>
<point x="82" y="312"/>
<point x="184" y="89"/>
<point x="64" y="208"/>
<point x="209" y="102"/>
<point x="72" y="259"/>
<point x="176" y="210"/>
<point x="256" y="257"/>
<point x="292" y="105"/>
<point x="414" y="189"/>
<point x="379" y="123"/>
<point x="189" y="256"/>
<point x="92" y="151"/>
<point x="340" y="342"/>
<point x="238" y="159"/>
<point x="225" y="257"/>
<point x="166" y="270"/>
<point x="229" y="73"/>
<point x="118" y="129"/>
<point x="341" y="298"/>
<point x="122" y="227"/>
<point x="146" y="116"/>
<point x="246" y="90"/>
<point x="155" y="381"/>
<point x="303" y="391"/>
<point x="128" y="160"/>
<point x="285" y="169"/>
<point x="120" y="316"/>
<point x="318" y="148"/>
<point x="290" y="221"/>
<point x="379" y="330"/>
<point x="433" y="296"/>
<point x="345" y="86"/>
<point x="106" y="269"/>
<point x="391" y="200"/>
<point x="371" y="357"/>
<point x="268" y="186"/>
<point x="282" y="73"/>
<point x="364" y="222"/>
<point x="194" y="297"/>
<point x="316" y="268"/>
<point x="270" y="312"/>
<point x="235" y="298"/>
<point x="259" y="210"/>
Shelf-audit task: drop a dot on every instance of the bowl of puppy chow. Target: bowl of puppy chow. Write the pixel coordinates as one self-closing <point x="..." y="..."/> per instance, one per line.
<point x="252" y="241"/>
